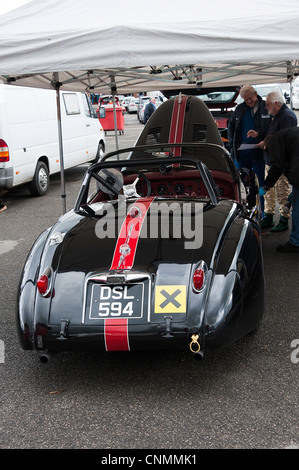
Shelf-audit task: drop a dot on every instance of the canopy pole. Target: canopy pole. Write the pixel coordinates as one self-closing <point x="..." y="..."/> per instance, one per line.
<point x="115" y="121"/>
<point x="113" y="91"/>
<point x="57" y="85"/>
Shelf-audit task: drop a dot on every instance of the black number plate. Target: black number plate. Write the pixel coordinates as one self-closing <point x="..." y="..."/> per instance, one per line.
<point x="124" y="301"/>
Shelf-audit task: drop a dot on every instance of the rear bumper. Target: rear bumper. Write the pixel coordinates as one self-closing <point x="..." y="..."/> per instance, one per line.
<point x="98" y="342"/>
<point x="6" y="178"/>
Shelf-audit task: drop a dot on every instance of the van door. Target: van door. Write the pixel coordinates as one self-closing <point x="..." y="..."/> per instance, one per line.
<point x="94" y="130"/>
<point x="73" y="130"/>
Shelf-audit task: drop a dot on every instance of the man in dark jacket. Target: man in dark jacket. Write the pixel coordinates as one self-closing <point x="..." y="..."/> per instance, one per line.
<point x="248" y="125"/>
<point x="283" y="149"/>
<point x="282" y="117"/>
<point x="149" y="109"/>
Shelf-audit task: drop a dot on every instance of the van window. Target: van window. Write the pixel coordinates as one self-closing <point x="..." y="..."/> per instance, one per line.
<point x="86" y="105"/>
<point x="71" y="103"/>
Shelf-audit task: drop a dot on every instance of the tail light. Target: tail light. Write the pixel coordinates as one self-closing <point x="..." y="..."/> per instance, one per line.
<point x="4" y="152"/>
<point x="199" y="277"/>
<point x="44" y="282"/>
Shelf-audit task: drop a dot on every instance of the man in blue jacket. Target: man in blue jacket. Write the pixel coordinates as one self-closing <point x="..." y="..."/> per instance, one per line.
<point x="149" y="109"/>
<point x="248" y="125"/>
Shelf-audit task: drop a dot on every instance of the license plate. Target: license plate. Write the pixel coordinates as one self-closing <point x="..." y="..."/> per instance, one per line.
<point x="124" y="301"/>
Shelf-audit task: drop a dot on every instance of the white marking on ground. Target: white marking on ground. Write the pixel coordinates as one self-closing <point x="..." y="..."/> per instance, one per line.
<point x="8" y="245"/>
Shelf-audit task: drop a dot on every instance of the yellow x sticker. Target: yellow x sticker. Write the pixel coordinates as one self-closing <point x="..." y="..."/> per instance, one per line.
<point x="170" y="299"/>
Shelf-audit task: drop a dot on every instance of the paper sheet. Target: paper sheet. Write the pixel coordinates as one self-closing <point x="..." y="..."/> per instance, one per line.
<point x="247" y="146"/>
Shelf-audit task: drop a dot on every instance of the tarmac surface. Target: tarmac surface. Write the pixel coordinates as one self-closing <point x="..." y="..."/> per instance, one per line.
<point x="242" y="397"/>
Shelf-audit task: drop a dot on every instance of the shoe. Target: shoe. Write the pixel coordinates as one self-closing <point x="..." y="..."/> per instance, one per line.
<point x="282" y="225"/>
<point x="267" y="221"/>
<point x="3" y="207"/>
<point x="288" y="247"/>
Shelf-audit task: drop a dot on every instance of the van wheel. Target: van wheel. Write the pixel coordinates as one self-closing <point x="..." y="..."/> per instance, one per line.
<point x="100" y="153"/>
<point x="40" y="184"/>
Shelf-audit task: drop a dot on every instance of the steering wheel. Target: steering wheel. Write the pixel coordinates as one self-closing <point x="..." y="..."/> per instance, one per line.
<point x="109" y="180"/>
<point x="130" y="189"/>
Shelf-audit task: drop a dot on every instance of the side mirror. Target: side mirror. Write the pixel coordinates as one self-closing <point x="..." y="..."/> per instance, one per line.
<point x="102" y="112"/>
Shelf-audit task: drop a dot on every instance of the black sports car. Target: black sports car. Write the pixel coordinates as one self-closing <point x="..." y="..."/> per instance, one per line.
<point x="161" y="250"/>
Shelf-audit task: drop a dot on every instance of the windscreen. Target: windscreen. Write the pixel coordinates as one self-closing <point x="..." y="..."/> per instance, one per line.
<point x="213" y="156"/>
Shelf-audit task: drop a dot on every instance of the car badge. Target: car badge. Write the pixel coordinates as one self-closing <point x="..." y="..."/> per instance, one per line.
<point x="134" y="212"/>
<point x="125" y="249"/>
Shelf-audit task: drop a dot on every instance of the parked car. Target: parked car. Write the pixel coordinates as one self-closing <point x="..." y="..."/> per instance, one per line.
<point x="126" y="101"/>
<point x="120" y="99"/>
<point x="161" y="251"/>
<point x="133" y="105"/>
<point x="106" y="100"/>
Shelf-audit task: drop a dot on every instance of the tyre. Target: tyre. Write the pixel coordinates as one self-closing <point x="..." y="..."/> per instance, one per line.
<point x="40" y="184"/>
<point x="100" y="153"/>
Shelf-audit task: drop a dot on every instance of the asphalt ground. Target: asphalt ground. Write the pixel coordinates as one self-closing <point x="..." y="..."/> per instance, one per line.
<point x="244" y="396"/>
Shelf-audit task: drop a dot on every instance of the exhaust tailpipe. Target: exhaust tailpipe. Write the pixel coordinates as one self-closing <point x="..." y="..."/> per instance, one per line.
<point x="198" y="356"/>
<point x="46" y="357"/>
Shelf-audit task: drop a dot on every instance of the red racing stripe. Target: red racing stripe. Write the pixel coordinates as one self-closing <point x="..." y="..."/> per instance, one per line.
<point x="116" y="329"/>
<point x="174" y="119"/>
<point x="116" y="334"/>
<point x="177" y="122"/>
<point x="125" y="250"/>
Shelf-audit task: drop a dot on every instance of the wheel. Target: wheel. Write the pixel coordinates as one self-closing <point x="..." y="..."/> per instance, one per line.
<point x="110" y="181"/>
<point x="100" y="153"/>
<point x="40" y="184"/>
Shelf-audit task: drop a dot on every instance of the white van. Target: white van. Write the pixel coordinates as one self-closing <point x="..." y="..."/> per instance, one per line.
<point x="263" y="90"/>
<point x="295" y="94"/>
<point x="29" y="145"/>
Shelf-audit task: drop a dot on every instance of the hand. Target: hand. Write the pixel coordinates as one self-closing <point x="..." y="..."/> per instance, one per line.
<point x="252" y="133"/>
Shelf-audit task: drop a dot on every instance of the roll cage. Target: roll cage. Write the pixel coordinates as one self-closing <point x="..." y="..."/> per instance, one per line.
<point x="158" y="159"/>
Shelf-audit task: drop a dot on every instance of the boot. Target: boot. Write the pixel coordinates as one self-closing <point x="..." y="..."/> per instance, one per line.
<point x="288" y="247"/>
<point x="267" y="221"/>
<point x="282" y="225"/>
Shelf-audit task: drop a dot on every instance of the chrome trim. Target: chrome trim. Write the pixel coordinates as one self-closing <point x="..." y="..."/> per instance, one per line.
<point x="239" y="246"/>
<point x="228" y="218"/>
<point x="56" y="238"/>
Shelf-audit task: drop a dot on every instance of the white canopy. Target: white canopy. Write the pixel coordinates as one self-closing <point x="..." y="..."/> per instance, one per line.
<point x="136" y="45"/>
